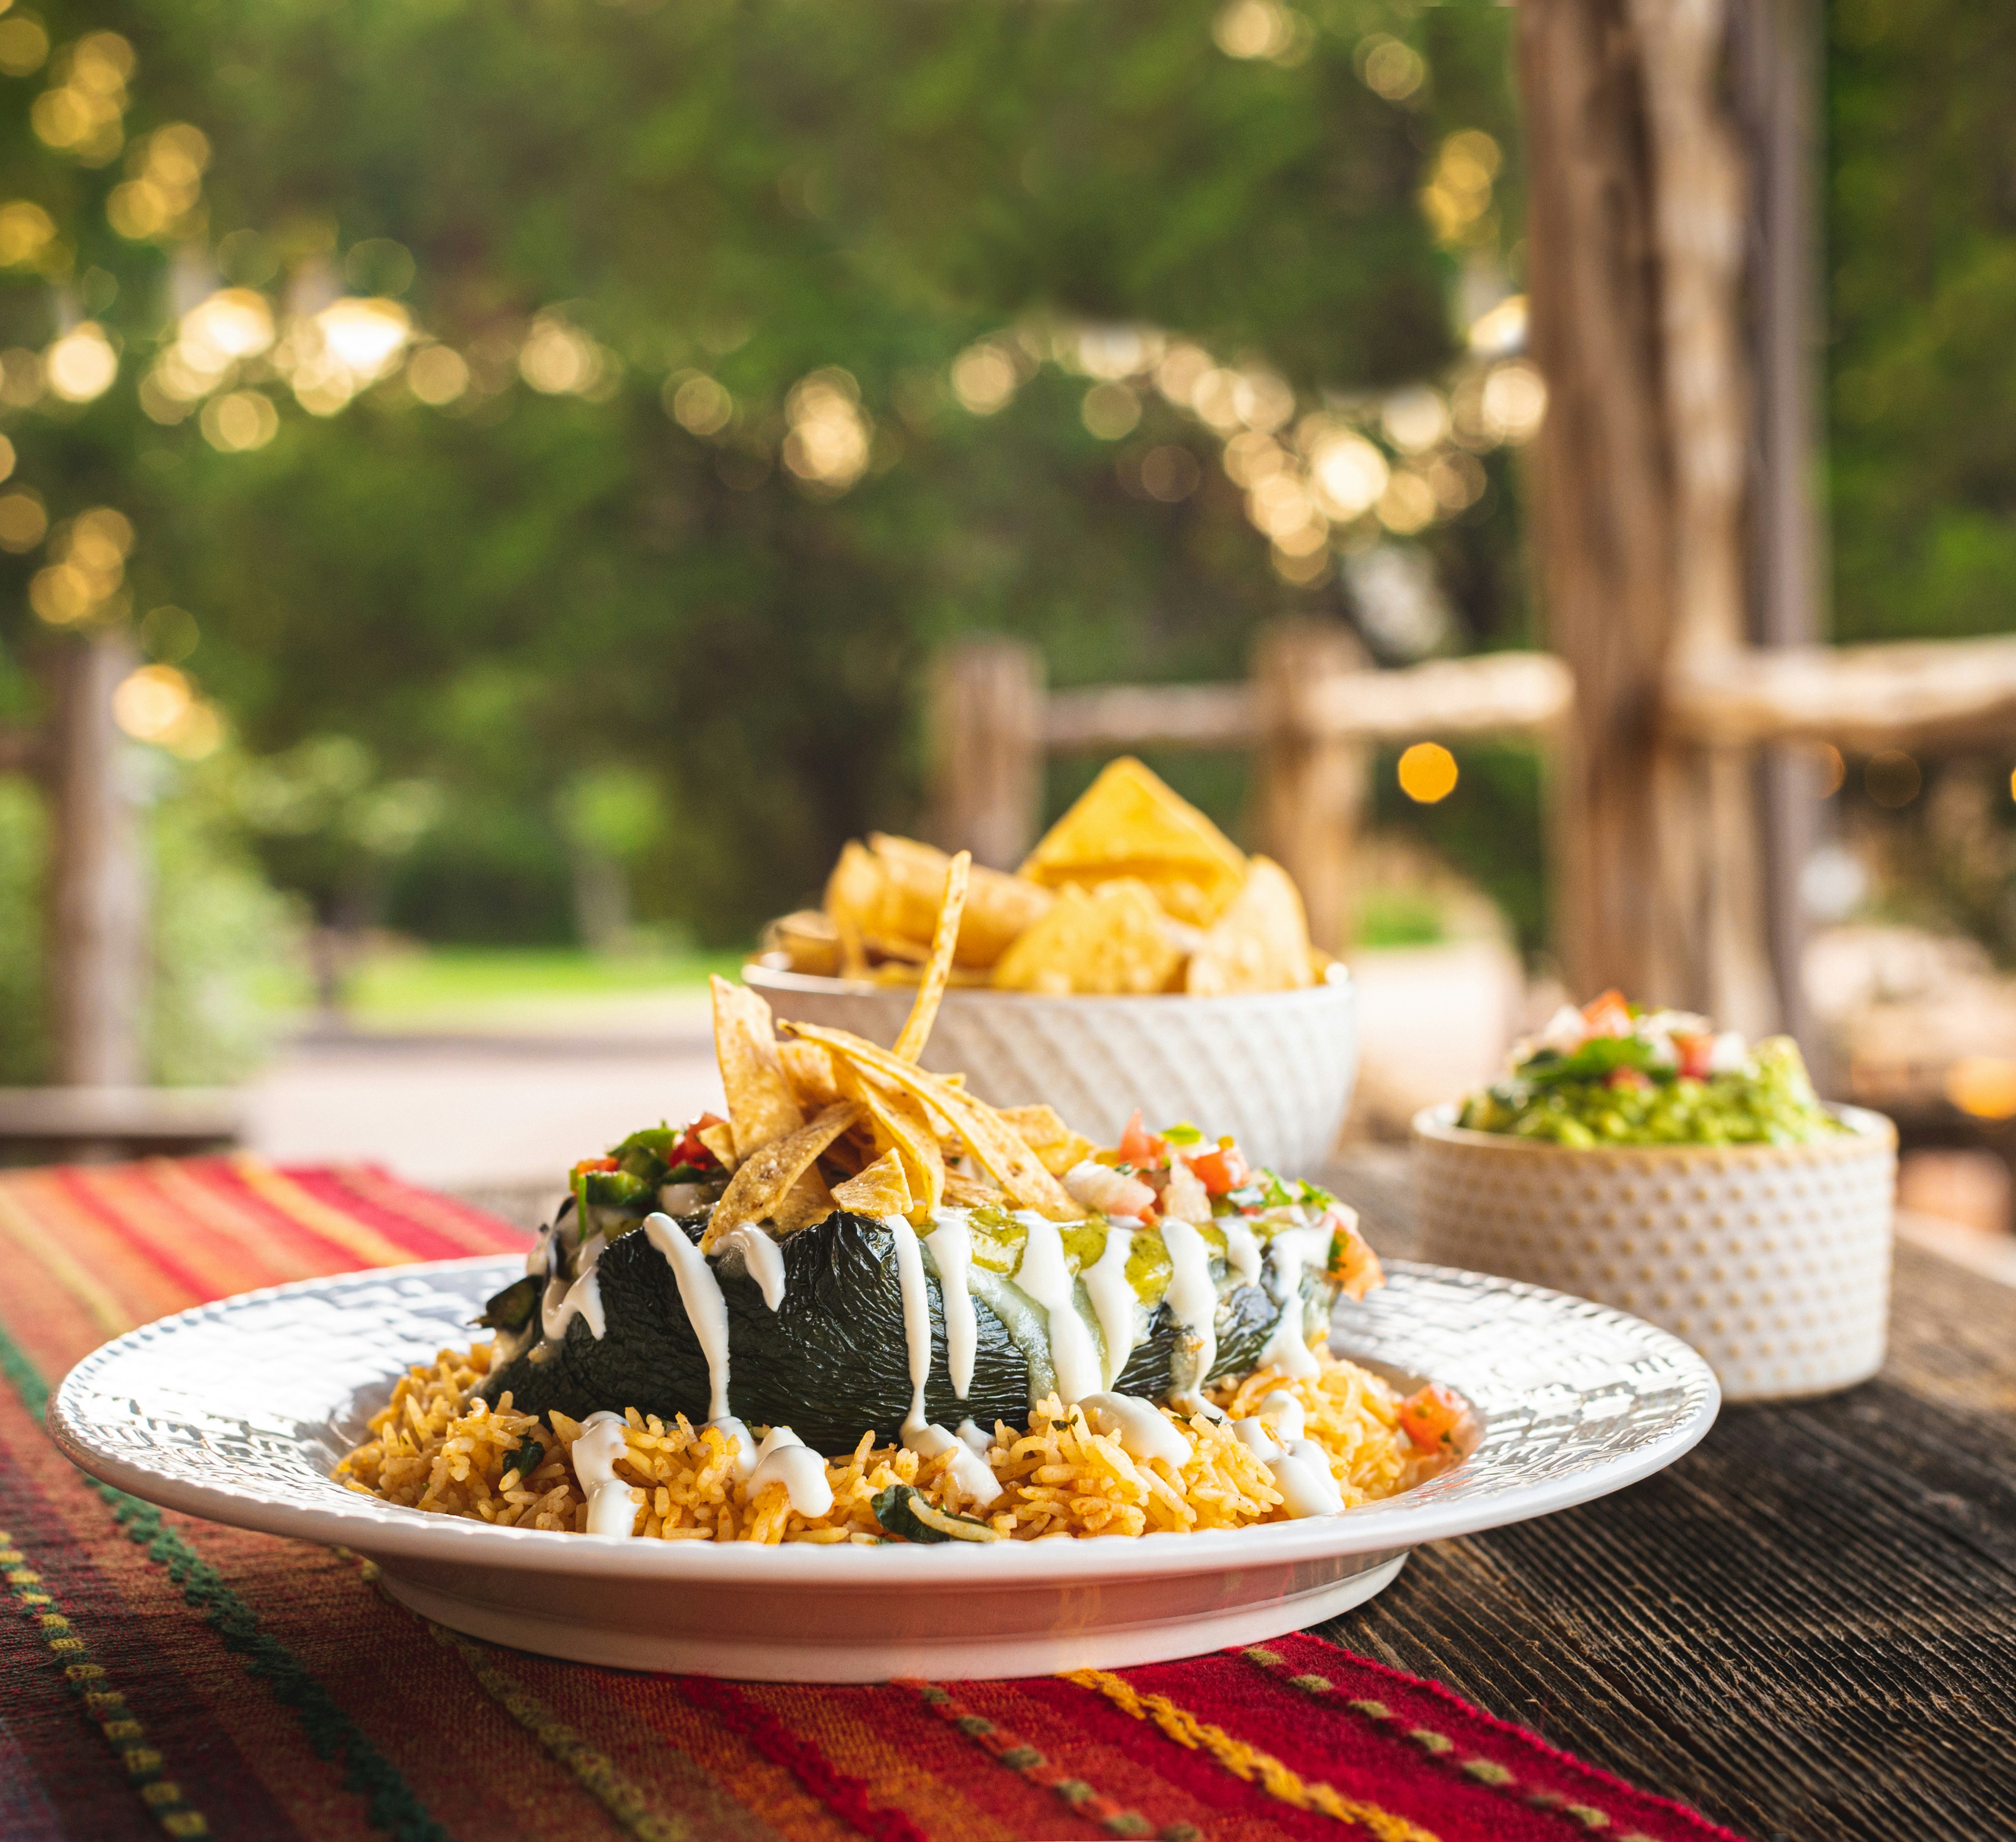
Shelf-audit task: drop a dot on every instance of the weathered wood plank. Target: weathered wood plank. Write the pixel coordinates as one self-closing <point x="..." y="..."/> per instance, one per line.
<point x="1905" y="695"/>
<point x="1805" y="1628"/>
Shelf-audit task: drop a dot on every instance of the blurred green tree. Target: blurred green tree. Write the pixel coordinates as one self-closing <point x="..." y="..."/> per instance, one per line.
<point x="515" y="391"/>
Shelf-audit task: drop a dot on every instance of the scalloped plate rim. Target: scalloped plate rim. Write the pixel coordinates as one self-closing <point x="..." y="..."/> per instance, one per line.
<point x="1436" y="1511"/>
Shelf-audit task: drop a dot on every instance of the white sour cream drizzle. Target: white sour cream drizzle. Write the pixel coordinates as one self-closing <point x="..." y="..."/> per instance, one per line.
<point x="968" y="1470"/>
<point x="707" y="1311"/>
<point x="916" y="1318"/>
<point x="1301" y="1472"/>
<point x="950" y="1245"/>
<point x="1045" y="1278"/>
<point x="785" y="1458"/>
<point x="611" y="1509"/>
<point x="763" y="1257"/>
<point x="745" y="1446"/>
<point x="1286" y="1411"/>
<point x="1191" y="1297"/>
<point x="1242" y="1251"/>
<point x="1289" y="1252"/>
<point x="1113" y="1302"/>
<point x="1142" y="1432"/>
<point x="563" y="1303"/>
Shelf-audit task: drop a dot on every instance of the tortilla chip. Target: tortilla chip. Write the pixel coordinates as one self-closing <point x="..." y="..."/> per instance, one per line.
<point x="854" y="890"/>
<point x="1128" y="823"/>
<point x="760" y="1103"/>
<point x="916" y="1028"/>
<point x="809" y="1070"/>
<point x="760" y="1186"/>
<point x="1182" y="897"/>
<point x="998" y="906"/>
<point x="1261" y="944"/>
<point x="969" y="1192"/>
<point x="807" y="941"/>
<point x="901" y="1125"/>
<point x="881" y="1189"/>
<point x="806" y="1204"/>
<point x="992" y="1142"/>
<point x="1056" y="1146"/>
<point x="914" y="955"/>
<point x="1112" y="941"/>
<point x="720" y="1140"/>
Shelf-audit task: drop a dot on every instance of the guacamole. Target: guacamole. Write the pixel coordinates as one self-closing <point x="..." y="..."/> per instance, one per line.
<point x="1616" y="1075"/>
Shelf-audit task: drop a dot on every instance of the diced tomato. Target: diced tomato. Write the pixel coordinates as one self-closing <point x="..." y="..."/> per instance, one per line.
<point x="1221" y="1171"/>
<point x="1437" y="1418"/>
<point x="1626" y="1077"/>
<point x="588" y="1164"/>
<point x="691" y="1149"/>
<point x="1607" y="1016"/>
<point x="1696" y="1055"/>
<point x="1141" y="1147"/>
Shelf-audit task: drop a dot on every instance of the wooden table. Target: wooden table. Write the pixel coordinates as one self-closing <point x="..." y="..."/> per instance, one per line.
<point x="1806" y="1628"/>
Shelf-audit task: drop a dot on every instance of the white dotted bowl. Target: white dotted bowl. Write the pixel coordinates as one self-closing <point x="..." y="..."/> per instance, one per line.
<point x="1275" y="1069"/>
<point x="1772" y="1260"/>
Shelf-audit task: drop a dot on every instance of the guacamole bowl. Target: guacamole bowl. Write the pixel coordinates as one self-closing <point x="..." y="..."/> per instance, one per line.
<point x="1772" y="1260"/>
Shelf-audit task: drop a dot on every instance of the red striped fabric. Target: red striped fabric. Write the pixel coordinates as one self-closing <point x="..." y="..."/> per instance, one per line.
<point x="172" y="1677"/>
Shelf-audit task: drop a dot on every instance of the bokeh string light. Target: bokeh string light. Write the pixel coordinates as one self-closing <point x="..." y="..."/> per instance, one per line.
<point x="1428" y="772"/>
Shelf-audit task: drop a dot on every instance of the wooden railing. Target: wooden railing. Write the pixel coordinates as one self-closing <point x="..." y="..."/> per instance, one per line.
<point x="1312" y="712"/>
<point x="1314" y="709"/>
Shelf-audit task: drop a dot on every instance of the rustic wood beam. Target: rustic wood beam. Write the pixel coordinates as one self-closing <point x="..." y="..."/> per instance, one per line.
<point x="1151" y="716"/>
<point x="1940" y="694"/>
<point x="1492" y="695"/>
<point x="1509" y="695"/>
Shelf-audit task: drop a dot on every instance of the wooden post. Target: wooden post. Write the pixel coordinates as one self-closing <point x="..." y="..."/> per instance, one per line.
<point x="1635" y="233"/>
<point x="97" y="960"/>
<point x="986" y="717"/>
<point x="1311" y="785"/>
<point x="1777" y="50"/>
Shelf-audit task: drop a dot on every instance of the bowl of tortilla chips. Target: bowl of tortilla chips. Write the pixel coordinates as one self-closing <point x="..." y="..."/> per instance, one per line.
<point x="1136" y="958"/>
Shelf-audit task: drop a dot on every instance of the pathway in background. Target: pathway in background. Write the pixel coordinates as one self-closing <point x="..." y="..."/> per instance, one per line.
<point x="508" y="1094"/>
<point x="514" y="1103"/>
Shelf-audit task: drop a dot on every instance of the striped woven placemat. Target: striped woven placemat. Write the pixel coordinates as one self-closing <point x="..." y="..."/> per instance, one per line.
<point x="168" y="1674"/>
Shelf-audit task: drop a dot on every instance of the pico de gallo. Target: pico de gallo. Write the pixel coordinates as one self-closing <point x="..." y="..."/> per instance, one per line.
<point x="1614" y="1072"/>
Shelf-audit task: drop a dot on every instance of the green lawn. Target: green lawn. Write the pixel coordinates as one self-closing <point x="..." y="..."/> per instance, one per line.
<point x="415" y="985"/>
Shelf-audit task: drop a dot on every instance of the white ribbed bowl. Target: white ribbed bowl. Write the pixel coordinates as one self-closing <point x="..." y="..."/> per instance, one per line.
<point x="1275" y="1069"/>
<point x="1772" y="1260"/>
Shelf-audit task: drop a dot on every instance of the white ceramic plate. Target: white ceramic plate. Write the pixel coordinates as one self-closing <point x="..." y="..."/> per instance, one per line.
<point x="238" y="1412"/>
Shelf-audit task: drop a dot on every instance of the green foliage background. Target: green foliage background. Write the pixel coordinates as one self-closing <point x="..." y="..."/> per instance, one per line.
<point x="498" y="598"/>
